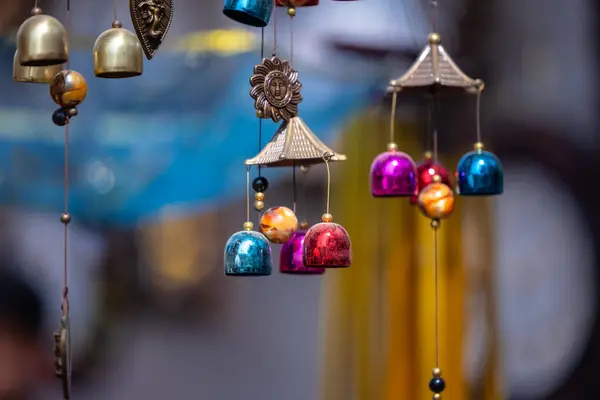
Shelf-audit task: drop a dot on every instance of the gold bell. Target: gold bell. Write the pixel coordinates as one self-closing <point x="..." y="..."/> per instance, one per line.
<point x="118" y="54"/>
<point x="42" y="41"/>
<point x="33" y="74"/>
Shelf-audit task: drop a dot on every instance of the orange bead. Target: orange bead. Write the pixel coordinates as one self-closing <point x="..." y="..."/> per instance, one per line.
<point x="278" y="224"/>
<point x="436" y="200"/>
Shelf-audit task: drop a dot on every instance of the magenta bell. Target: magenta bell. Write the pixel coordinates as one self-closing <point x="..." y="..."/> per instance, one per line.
<point x="393" y="174"/>
<point x="290" y="257"/>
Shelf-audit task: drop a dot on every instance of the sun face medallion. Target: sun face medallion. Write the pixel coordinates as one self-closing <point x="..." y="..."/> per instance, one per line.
<point x="275" y="89"/>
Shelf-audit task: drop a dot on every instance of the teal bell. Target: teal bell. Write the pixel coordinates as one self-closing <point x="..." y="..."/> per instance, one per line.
<point x="247" y="253"/>
<point x="479" y="173"/>
<point x="249" y="12"/>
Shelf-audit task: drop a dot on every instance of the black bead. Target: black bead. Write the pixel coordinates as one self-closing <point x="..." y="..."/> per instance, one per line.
<point x="260" y="184"/>
<point x="437" y="385"/>
<point x="59" y="117"/>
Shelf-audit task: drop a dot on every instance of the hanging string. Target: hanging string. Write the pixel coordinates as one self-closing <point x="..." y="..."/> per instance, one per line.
<point x="65" y="219"/>
<point x="274" y="27"/>
<point x="115" y="9"/>
<point x="294" y="184"/>
<point x="326" y="157"/>
<point x="436" y="295"/>
<point x="434" y="4"/>
<point x="260" y="120"/>
<point x="393" y="117"/>
<point x="69" y="32"/>
<point x="478" y="116"/>
<point x="304" y="170"/>
<point x="292" y="40"/>
<point x="248" y="193"/>
<point x="36" y="4"/>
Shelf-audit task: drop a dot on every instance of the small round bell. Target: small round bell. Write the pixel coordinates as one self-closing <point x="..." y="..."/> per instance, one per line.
<point x="296" y="3"/>
<point x="426" y="171"/>
<point x="393" y="174"/>
<point x="33" y="74"/>
<point x="479" y="173"/>
<point x="291" y="258"/>
<point x="247" y="253"/>
<point x="249" y="12"/>
<point x="278" y="224"/>
<point x="118" y="54"/>
<point x="68" y="88"/>
<point x="327" y="245"/>
<point x="42" y="41"/>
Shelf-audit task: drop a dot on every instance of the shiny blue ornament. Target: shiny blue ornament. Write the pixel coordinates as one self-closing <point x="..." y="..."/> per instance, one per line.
<point x="247" y="253"/>
<point x="249" y="12"/>
<point x="479" y="173"/>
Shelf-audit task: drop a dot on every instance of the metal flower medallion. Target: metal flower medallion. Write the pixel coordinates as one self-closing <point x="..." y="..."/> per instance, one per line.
<point x="275" y="89"/>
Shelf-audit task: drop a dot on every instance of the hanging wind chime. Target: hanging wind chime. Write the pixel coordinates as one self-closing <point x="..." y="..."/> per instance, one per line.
<point x="42" y="49"/>
<point x="275" y="88"/>
<point x="394" y="173"/>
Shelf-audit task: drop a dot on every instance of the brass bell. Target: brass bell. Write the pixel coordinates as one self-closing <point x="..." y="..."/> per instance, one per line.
<point x="42" y="41"/>
<point x="33" y="74"/>
<point x="118" y="54"/>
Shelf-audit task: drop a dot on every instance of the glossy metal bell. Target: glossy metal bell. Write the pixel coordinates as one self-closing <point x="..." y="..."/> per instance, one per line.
<point x="427" y="170"/>
<point x="249" y="12"/>
<point x="479" y="173"/>
<point x="247" y="253"/>
<point x="327" y="245"/>
<point x="291" y="258"/>
<point x="393" y="174"/>
<point x="118" y="54"/>
<point x="33" y="74"/>
<point x="42" y="41"/>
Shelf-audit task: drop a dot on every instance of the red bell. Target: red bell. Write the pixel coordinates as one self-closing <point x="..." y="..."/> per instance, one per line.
<point x="327" y="245"/>
<point x="426" y="170"/>
<point x="296" y="3"/>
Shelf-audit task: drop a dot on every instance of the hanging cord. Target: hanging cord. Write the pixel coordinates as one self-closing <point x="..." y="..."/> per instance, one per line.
<point x="66" y="217"/>
<point x="274" y="27"/>
<point x="326" y="158"/>
<point x="292" y="40"/>
<point x="478" y="116"/>
<point x="393" y="117"/>
<point x="69" y="32"/>
<point x="260" y="120"/>
<point x="304" y="170"/>
<point x="434" y="4"/>
<point x="36" y="4"/>
<point x="436" y="312"/>
<point x="294" y="184"/>
<point x="248" y="194"/>
<point x="115" y="10"/>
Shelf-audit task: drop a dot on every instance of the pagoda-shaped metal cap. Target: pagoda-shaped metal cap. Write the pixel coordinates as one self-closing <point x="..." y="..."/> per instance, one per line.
<point x="294" y="144"/>
<point x="435" y="70"/>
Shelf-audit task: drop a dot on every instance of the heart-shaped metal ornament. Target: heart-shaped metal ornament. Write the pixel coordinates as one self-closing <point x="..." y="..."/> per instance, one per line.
<point x="151" y="20"/>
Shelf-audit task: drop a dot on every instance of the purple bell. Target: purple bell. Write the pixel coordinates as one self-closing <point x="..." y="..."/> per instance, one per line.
<point x="393" y="174"/>
<point x="290" y="257"/>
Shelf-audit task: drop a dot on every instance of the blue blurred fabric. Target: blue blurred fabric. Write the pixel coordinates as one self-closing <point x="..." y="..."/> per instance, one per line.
<point x="176" y="136"/>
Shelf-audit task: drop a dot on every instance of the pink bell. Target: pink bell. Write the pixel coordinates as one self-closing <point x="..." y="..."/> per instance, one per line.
<point x="327" y="245"/>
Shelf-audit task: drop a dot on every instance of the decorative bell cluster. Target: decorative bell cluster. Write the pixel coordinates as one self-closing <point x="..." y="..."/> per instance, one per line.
<point x="275" y="89"/>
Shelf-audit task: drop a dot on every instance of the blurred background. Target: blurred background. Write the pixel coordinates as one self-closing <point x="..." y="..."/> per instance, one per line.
<point x="158" y="186"/>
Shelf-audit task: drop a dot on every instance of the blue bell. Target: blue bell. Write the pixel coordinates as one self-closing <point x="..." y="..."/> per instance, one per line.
<point x="249" y="12"/>
<point x="247" y="253"/>
<point x="479" y="173"/>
